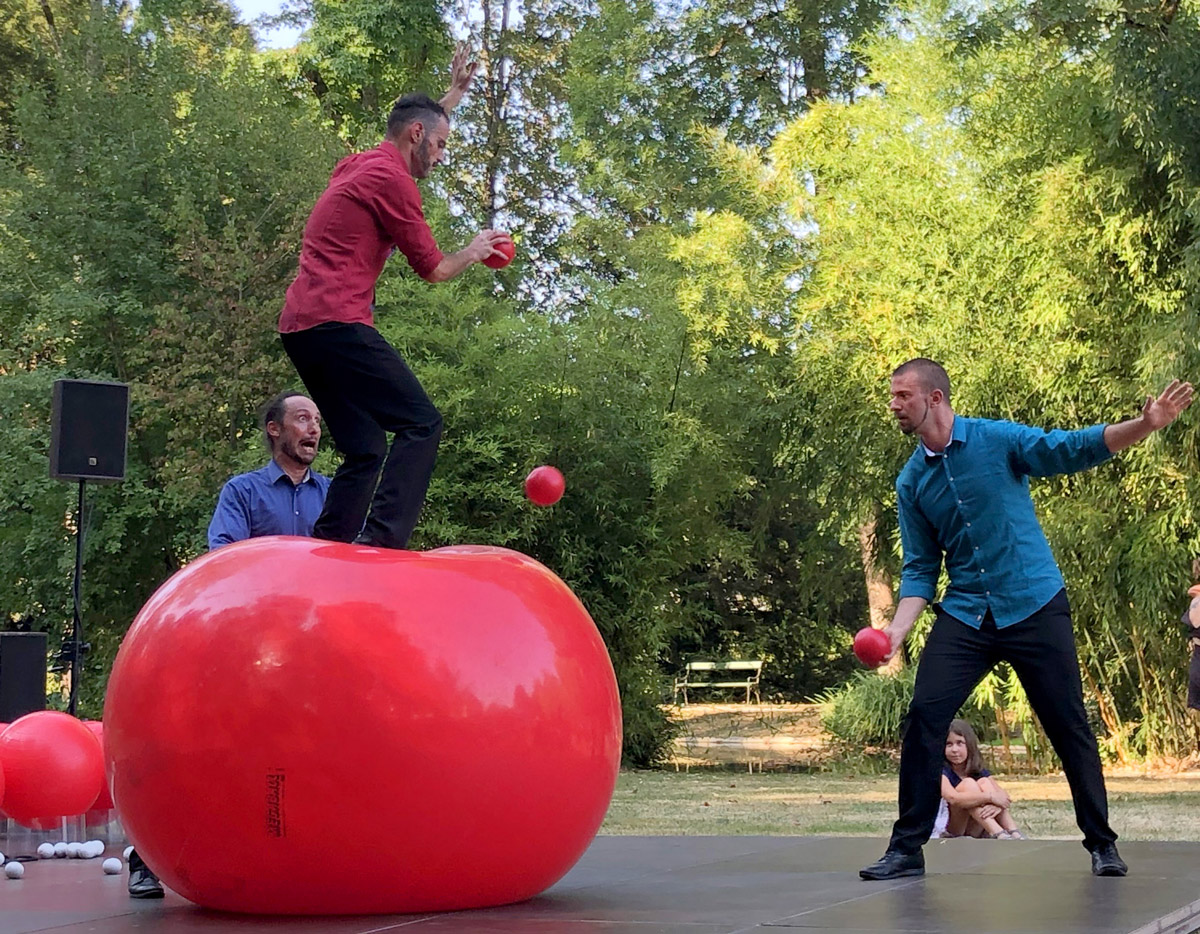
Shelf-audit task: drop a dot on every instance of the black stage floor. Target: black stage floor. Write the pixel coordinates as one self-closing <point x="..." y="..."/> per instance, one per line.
<point x="709" y="885"/>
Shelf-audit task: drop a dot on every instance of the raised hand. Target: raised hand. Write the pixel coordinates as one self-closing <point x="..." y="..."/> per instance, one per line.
<point x="462" y="73"/>
<point x="1160" y="412"/>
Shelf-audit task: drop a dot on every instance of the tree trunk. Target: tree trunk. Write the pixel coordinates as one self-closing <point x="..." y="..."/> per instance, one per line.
<point x="814" y="51"/>
<point x="880" y="602"/>
<point x="494" y="39"/>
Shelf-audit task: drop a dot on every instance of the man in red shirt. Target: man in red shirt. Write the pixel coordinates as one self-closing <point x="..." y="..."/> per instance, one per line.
<point x="361" y="385"/>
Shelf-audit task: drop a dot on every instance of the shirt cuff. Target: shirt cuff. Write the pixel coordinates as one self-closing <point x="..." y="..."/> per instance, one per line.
<point x="915" y="588"/>
<point x="1094" y="443"/>
<point x="426" y="262"/>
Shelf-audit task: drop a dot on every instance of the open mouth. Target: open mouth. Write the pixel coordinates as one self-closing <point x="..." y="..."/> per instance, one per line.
<point x="309" y="447"/>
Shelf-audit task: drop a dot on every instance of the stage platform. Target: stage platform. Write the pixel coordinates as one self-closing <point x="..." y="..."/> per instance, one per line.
<point x="709" y="885"/>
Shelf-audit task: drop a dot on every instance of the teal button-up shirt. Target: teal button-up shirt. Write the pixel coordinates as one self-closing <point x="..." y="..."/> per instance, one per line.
<point x="970" y="506"/>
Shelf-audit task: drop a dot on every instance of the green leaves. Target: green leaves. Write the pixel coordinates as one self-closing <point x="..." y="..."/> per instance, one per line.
<point x="1016" y="213"/>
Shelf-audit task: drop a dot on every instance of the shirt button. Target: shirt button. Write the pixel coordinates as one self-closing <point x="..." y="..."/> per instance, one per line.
<point x="968" y="525"/>
<point x="976" y="547"/>
<point x="960" y="502"/>
<point x="987" y="593"/>
<point x="979" y="618"/>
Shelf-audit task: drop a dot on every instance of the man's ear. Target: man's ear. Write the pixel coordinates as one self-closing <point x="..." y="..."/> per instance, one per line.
<point x="1194" y="612"/>
<point x="936" y="397"/>
<point x="274" y="429"/>
<point x="416" y="131"/>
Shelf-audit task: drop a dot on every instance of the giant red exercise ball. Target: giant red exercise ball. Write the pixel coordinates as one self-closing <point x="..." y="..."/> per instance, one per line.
<point x="545" y="485"/>
<point x="103" y="800"/>
<point x="53" y="766"/>
<point x="341" y="729"/>
<point x="871" y="646"/>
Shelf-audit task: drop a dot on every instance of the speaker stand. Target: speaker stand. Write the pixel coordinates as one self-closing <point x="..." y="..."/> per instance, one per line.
<point x="77" y="622"/>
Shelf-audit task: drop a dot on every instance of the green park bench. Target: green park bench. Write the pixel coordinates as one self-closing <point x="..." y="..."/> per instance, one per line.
<point x="704" y="674"/>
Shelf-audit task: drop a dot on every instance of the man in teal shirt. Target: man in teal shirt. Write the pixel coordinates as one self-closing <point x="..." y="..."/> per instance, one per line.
<point x="963" y="500"/>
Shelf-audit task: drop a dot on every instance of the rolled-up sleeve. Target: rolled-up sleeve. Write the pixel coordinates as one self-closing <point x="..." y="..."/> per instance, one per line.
<point x="231" y="519"/>
<point x="396" y="203"/>
<point x="922" y="555"/>
<point x="1042" y="453"/>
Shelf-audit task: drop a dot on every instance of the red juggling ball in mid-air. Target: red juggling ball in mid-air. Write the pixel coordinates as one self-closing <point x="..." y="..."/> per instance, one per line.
<point x="545" y="485"/>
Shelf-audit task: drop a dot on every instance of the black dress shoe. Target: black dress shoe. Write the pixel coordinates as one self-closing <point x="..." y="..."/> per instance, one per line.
<point x="894" y="864"/>
<point x="1106" y="861"/>
<point x="142" y="882"/>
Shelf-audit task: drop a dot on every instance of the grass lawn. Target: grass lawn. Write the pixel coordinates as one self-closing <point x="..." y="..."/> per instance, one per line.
<point x="709" y="795"/>
<point x="728" y="802"/>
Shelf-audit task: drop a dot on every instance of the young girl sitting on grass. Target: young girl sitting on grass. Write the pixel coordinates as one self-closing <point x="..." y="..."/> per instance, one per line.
<point x="978" y="807"/>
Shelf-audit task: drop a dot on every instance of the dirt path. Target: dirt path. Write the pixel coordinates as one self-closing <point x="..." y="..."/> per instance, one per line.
<point x="761" y="736"/>
<point x="789" y="736"/>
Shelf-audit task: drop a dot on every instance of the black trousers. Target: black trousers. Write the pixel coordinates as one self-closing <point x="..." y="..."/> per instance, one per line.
<point x="1041" y="650"/>
<point x="364" y="391"/>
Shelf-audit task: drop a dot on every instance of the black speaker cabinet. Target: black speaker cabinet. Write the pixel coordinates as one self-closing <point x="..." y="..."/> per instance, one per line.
<point x="88" y="430"/>
<point x="22" y="674"/>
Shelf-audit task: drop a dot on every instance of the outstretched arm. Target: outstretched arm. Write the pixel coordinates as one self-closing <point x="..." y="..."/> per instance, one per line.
<point x="479" y="249"/>
<point x="462" y="72"/>
<point x="1156" y="414"/>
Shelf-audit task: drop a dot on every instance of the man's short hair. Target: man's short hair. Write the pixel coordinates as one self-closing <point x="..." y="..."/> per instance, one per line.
<point x="413" y="108"/>
<point x="931" y="373"/>
<point x="274" y="411"/>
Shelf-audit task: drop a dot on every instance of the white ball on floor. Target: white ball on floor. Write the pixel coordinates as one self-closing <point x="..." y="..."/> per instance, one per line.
<point x="92" y="849"/>
<point x="46" y="851"/>
<point x="73" y="850"/>
<point x="14" y="870"/>
<point x="1" y="857"/>
<point x="111" y="866"/>
<point x="125" y="855"/>
<point x="60" y="850"/>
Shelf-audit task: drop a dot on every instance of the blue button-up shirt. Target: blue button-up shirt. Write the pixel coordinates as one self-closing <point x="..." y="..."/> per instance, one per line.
<point x="266" y="502"/>
<point x="970" y="506"/>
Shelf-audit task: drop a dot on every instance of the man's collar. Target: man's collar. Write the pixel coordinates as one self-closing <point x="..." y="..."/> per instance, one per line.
<point x="958" y="432"/>
<point x="387" y="146"/>
<point x="274" y="471"/>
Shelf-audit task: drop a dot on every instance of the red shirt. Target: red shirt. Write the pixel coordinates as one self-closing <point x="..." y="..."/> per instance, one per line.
<point x="371" y="207"/>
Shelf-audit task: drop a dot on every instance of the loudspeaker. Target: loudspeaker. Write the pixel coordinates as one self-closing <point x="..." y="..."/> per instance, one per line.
<point x="22" y="674"/>
<point x="88" y="430"/>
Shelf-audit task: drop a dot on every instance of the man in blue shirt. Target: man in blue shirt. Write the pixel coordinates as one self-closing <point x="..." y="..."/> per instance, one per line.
<point x="285" y="497"/>
<point x="963" y="500"/>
